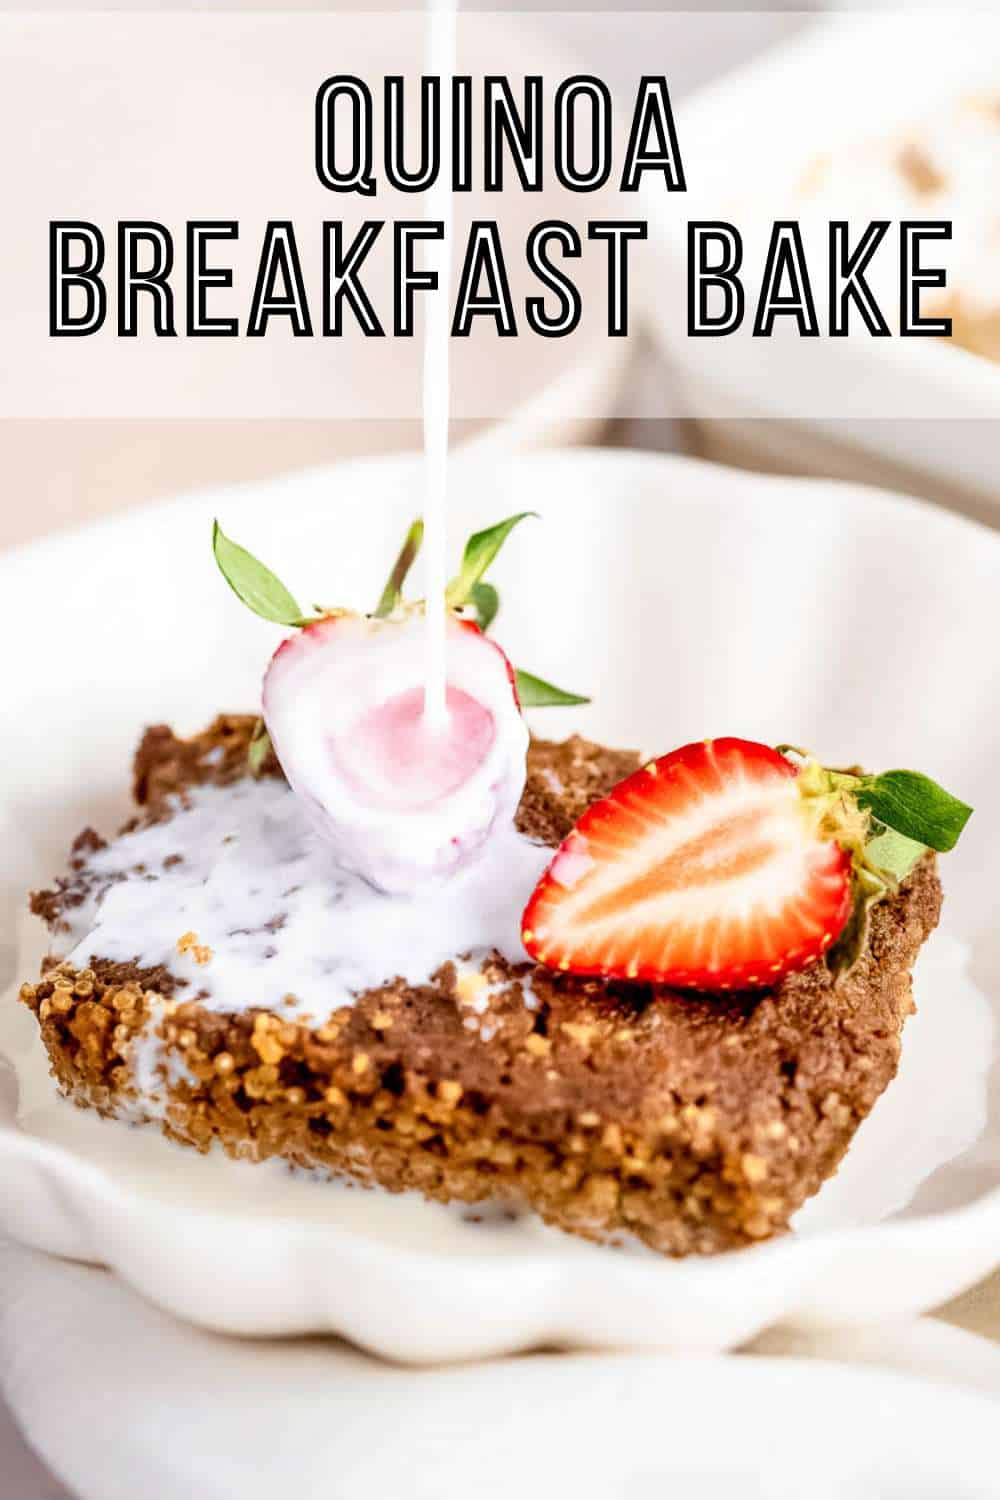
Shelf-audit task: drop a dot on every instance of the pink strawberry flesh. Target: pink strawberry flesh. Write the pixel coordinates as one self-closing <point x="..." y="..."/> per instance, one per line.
<point x="393" y="758"/>
<point x="702" y="870"/>
<point x="399" y="800"/>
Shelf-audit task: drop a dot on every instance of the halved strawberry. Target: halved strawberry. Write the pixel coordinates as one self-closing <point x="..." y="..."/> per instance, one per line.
<point x="702" y="870"/>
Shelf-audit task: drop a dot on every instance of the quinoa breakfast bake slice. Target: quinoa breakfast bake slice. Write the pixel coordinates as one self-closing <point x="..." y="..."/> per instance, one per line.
<point x="695" y="1122"/>
<point x="383" y="934"/>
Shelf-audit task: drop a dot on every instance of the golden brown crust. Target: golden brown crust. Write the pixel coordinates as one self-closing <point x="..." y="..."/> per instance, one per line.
<point x="697" y="1123"/>
<point x="165" y="764"/>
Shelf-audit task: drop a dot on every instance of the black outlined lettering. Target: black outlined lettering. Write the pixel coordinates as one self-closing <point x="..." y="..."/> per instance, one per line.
<point x="566" y="319"/>
<point x="396" y="170"/>
<point x="786" y="262"/>
<point x="720" y="276"/>
<point x="407" y="280"/>
<point x="847" y="279"/>
<point x="200" y="277"/>
<point x="618" y="233"/>
<point x="151" y="279"/>
<point x="280" y="290"/>
<point x="652" y="143"/>
<point x="484" y="261"/>
<point x="913" y="277"/>
<point x="520" y="129"/>
<point x="340" y="278"/>
<point x="82" y="274"/>
<point x="357" y="178"/>
<point x="567" y="153"/>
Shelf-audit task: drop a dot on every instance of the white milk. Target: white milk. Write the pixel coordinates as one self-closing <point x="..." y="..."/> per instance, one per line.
<point x="440" y="61"/>
<point x="275" y="923"/>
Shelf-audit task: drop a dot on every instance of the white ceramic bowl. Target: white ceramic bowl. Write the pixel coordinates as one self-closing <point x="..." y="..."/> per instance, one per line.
<point x="915" y="413"/>
<point x="690" y="600"/>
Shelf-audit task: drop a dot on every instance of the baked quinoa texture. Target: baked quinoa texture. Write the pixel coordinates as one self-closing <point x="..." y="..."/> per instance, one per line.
<point x="696" y="1123"/>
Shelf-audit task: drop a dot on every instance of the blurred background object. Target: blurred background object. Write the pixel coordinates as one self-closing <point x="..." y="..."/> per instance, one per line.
<point x="65" y="472"/>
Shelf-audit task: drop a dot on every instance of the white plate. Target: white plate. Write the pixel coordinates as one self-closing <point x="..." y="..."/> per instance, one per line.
<point x="914" y="413"/>
<point x="691" y="600"/>
<point x="80" y="1354"/>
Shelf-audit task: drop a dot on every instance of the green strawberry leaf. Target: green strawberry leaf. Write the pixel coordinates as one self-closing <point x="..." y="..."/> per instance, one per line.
<point x="485" y="601"/>
<point x="480" y="550"/>
<point x="535" y="693"/>
<point x="254" y="584"/>
<point x="916" y="807"/>
<point x="892" y="853"/>
<point x="393" y="591"/>
<point x="259" y="748"/>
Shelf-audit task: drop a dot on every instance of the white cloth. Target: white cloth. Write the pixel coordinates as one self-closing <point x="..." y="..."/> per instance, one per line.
<point x="123" y="1401"/>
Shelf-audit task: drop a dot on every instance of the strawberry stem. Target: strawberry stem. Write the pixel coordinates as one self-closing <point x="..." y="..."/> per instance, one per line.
<point x="393" y="591"/>
<point x="887" y="824"/>
<point x="259" y="748"/>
